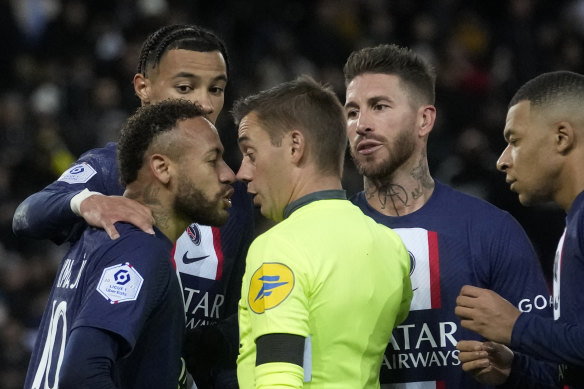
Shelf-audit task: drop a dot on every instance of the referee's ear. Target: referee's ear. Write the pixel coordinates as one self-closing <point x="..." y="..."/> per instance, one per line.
<point x="297" y="146"/>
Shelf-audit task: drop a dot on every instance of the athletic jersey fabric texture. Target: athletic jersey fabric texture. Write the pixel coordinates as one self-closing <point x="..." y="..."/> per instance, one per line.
<point x="127" y="287"/>
<point x="560" y="341"/>
<point x="209" y="260"/>
<point x="333" y="276"/>
<point x="453" y="240"/>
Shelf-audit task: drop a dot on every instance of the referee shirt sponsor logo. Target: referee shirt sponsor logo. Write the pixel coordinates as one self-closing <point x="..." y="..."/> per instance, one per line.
<point x="269" y="286"/>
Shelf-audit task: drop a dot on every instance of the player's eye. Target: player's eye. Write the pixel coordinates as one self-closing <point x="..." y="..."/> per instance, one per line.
<point x="217" y="90"/>
<point x="352" y="113"/>
<point x="184" y="88"/>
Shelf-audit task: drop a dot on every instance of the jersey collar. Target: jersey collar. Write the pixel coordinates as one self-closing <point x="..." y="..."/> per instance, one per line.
<point x="331" y="194"/>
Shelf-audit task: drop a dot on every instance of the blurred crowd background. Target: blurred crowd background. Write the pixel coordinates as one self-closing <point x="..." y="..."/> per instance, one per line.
<point x="65" y="86"/>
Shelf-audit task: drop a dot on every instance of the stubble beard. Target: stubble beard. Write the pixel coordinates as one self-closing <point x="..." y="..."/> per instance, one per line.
<point x="195" y="207"/>
<point x="379" y="170"/>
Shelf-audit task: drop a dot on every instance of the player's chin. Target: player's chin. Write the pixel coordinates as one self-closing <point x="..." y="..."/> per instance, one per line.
<point x="220" y="217"/>
<point x="528" y="199"/>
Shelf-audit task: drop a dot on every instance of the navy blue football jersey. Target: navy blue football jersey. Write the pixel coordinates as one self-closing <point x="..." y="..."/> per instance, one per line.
<point x="210" y="261"/>
<point x="127" y="287"/>
<point x="560" y="341"/>
<point x="453" y="240"/>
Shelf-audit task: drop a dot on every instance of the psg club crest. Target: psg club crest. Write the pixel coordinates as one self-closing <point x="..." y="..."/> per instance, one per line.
<point x="120" y="283"/>
<point x="412" y="263"/>
<point x="194" y="233"/>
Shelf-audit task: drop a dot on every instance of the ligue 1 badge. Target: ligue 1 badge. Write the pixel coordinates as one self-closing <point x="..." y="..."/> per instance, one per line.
<point x="120" y="283"/>
<point x="78" y="174"/>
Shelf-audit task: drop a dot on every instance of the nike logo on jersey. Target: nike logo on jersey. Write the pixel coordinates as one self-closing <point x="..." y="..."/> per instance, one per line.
<point x="268" y="285"/>
<point x="187" y="260"/>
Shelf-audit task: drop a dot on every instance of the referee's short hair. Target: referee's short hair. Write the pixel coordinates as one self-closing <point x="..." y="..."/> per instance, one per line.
<point x="305" y="105"/>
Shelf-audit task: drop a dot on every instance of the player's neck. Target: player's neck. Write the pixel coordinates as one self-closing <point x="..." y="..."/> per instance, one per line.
<point x="399" y="195"/>
<point x="170" y="226"/>
<point x="569" y="184"/>
<point x="159" y="203"/>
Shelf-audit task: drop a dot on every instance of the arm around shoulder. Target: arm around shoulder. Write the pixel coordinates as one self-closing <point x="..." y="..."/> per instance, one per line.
<point x="47" y="214"/>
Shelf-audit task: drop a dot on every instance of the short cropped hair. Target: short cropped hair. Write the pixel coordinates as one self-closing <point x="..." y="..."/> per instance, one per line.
<point x="305" y="105"/>
<point x="551" y="88"/>
<point x="142" y="130"/>
<point x="417" y="75"/>
<point x="178" y="36"/>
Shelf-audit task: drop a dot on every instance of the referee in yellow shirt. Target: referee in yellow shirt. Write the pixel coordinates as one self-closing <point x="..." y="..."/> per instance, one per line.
<point x="324" y="287"/>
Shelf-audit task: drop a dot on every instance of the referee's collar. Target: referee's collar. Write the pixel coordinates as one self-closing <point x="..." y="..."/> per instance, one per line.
<point x="331" y="194"/>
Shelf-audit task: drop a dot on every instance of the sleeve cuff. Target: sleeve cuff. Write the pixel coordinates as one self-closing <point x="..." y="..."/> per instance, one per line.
<point x="518" y="329"/>
<point x="78" y="199"/>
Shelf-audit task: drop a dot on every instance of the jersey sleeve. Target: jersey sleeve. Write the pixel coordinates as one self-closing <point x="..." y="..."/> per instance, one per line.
<point x="47" y="214"/>
<point x="555" y="340"/>
<point x="88" y="360"/>
<point x="407" y="295"/>
<point x="527" y="372"/>
<point x="277" y="289"/>
<point x="511" y="254"/>
<point x="131" y="281"/>
<point x="239" y="230"/>
<point x="274" y="301"/>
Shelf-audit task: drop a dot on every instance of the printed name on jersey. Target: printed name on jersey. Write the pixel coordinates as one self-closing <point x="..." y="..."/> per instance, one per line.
<point x="269" y="286"/>
<point x="425" y="267"/>
<point x="78" y="174"/>
<point x="120" y="283"/>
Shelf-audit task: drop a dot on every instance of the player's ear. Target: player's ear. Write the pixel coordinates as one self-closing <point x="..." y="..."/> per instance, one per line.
<point x="564" y="136"/>
<point x="426" y="119"/>
<point x="160" y="167"/>
<point x="142" y="88"/>
<point x="297" y="145"/>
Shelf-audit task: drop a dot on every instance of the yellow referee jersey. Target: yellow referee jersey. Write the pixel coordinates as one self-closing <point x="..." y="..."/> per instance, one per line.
<point x="333" y="276"/>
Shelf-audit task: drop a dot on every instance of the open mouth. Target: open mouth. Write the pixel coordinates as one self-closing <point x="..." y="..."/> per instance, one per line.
<point x="366" y="147"/>
<point x="227" y="198"/>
